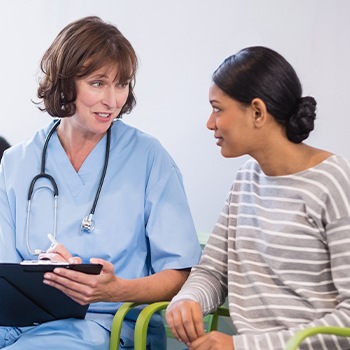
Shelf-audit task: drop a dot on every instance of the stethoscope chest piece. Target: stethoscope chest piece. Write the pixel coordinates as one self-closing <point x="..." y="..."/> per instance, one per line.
<point x="87" y="224"/>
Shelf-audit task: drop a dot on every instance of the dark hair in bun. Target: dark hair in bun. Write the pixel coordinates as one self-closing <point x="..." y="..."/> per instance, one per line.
<point x="259" y="72"/>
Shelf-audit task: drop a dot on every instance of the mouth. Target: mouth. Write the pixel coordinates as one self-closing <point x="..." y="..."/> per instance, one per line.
<point x="218" y="140"/>
<point x="104" y="115"/>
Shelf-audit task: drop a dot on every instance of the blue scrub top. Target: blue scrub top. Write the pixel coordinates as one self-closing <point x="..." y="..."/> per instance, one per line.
<point x="142" y="220"/>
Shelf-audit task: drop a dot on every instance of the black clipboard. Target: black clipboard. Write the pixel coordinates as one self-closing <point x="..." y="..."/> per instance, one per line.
<point x="26" y="301"/>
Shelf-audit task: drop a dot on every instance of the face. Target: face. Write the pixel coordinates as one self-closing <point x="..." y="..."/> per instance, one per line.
<point x="231" y="122"/>
<point x="99" y="101"/>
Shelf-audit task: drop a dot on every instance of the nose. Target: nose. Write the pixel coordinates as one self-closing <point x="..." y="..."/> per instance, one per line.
<point x="211" y="122"/>
<point x="109" y="98"/>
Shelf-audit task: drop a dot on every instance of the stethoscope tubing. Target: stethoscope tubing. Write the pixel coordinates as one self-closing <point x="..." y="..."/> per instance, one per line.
<point x="87" y="222"/>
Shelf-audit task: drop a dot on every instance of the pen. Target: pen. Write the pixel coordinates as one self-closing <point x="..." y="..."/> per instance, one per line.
<point x="52" y="239"/>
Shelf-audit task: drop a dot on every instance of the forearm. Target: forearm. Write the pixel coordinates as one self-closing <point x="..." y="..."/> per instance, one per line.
<point x="160" y="286"/>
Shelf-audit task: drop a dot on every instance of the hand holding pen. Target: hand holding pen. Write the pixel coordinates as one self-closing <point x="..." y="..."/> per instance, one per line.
<point x="58" y="253"/>
<point x="52" y="239"/>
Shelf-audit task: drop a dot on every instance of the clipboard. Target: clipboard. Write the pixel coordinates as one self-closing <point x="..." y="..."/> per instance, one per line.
<point x="26" y="301"/>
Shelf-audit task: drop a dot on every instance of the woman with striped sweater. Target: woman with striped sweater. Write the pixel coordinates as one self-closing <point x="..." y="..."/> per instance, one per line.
<point x="280" y="251"/>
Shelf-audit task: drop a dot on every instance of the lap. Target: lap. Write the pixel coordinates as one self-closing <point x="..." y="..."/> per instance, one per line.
<point x="56" y="335"/>
<point x="76" y="334"/>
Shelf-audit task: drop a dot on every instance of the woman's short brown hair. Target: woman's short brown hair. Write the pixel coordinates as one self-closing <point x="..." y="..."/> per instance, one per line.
<point x="81" y="48"/>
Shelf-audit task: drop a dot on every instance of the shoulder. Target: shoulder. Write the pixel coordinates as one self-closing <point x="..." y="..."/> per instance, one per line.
<point x="24" y="150"/>
<point x="140" y="150"/>
<point x="129" y="139"/>
<point x="122" y="132"/>
<point x="336" y="166"/>
<point x="333" y="164"/>
<point x="338" y="160"/>
<point x="249" y="169"/>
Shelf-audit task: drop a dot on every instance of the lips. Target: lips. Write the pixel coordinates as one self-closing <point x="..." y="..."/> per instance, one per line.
<point x="219" y="140"/>
<point x="103" y="115"/>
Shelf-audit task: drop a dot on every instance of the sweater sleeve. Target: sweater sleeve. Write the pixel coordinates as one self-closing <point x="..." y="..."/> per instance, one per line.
<point x="207" y="283"/>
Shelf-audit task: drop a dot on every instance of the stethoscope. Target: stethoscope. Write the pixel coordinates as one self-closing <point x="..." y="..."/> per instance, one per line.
<point x="87" y="224"/>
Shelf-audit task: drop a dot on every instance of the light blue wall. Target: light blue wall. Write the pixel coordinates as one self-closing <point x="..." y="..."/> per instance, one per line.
<point x="180" y="43"/>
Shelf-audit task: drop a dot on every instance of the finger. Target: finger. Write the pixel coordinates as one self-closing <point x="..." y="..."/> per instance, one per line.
<point x="75" y="260"/>
<point x="75" y="284"/>
<point x="59" y="249"/>
<point x="193" y="322"/>
<point x="198" y="321"/>
<point x="178" y="327"/>
<point x="107" y="267"/>
<point x="170" y="321"/>
<point x="200" y="344"/>
<point x="72" y="293"/>
<point x="189" y="319"/>
<point x="52" y="257"/>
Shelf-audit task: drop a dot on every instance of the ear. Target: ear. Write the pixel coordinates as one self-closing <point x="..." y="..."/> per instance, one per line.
<point x="259" y="112"/>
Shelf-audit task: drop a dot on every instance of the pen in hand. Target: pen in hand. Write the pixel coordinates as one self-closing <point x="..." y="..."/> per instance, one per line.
<point x="49" y="255"/>
<point x="42" y="257"/>
<point x="70" y="259"/>
<point x="52" y="239"/>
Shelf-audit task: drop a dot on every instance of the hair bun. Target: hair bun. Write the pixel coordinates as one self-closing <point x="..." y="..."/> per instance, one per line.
<point x="301" y="123"/>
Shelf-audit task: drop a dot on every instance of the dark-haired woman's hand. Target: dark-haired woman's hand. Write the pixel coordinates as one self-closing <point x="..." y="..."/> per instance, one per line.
<point x="185" y="320"/>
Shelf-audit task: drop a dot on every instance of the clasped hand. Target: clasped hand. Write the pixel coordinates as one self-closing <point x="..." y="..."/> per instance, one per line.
<point x="185" y="320"/>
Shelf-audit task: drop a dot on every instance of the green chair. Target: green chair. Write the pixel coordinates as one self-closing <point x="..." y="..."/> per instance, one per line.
<point x="117" y="325"/>
<point x="142" y="322"/>
<point x="296" y="340"/>
<point x="210" y="322"/>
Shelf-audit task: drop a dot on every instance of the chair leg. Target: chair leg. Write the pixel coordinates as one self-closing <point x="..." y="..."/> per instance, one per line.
<point x="143" y="321"/>
<point x="117" y="324"/>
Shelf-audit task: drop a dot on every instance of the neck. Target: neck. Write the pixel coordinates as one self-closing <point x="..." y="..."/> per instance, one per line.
<point x="76" y="145"/>
<point x="291" y="159"/>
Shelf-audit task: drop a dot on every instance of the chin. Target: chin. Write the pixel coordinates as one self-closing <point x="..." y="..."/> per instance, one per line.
<point x="228" y="154"/>
<point x="225" y="153"/>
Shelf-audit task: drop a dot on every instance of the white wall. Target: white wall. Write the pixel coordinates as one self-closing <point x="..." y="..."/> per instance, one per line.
<point x="180" y="43"/>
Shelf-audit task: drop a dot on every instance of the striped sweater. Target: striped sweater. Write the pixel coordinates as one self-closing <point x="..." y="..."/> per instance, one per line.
<point x="280" y="253"/>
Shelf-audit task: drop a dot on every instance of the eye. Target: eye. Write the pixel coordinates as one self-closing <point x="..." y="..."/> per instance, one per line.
<point x="123" y="85"/>
<point x="96" y="83"/>
<point x="216" y="109"/>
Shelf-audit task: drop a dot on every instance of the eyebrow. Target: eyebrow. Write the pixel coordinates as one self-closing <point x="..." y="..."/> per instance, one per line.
<point x="100" y="75"/>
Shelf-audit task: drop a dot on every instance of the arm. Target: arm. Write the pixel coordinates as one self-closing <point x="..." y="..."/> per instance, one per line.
<point x="86" y="289"/>
<point x="207" y="283"/>
<point x="203" y="292"/>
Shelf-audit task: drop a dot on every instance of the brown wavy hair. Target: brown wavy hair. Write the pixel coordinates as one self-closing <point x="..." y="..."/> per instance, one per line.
<point x="81" y="48"/>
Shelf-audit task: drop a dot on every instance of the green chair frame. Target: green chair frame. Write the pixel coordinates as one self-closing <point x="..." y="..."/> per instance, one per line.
<point x="142" y="322"/>
<point x="211" y="323"/>
<point x="296" y="340"/>
<point x="117" y="325"/>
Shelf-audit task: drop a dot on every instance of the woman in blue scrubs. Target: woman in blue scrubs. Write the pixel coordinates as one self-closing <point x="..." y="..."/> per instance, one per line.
<point x="137" y="223"/>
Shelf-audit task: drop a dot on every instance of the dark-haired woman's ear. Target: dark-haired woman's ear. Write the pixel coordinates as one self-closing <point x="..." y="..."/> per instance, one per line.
<point x="259" y="112"/>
